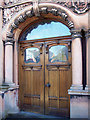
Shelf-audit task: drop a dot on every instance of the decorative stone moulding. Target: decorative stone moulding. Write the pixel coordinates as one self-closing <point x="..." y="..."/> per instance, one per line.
<point x="13" y="6"/>
<point x="10" y="11"/>
<point x="32" y="12"/>
<point x="76" y="6"/>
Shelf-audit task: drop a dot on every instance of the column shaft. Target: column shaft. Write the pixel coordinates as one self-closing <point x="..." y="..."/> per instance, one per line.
<point x="9" y="63"/>
<point x="76" y="63"/>
<point x="88" y="63"/>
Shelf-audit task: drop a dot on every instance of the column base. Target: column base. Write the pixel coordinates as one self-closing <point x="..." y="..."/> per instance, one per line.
<point x="76" y="87"/>
<point x="6" y="87"/>
<point x="87" y="88"/>
<point x="78" y="90"/>
<point x="8" y="84"/>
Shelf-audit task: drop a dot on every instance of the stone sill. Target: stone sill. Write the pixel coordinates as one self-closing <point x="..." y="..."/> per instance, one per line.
<point x="79" y="92"/>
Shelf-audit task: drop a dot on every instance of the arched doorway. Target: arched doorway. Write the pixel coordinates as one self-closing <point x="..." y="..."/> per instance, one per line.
<point x="45" y="68"/>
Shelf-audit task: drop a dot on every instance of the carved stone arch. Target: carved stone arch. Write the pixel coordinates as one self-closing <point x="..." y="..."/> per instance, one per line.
<point x="37" y="10"/>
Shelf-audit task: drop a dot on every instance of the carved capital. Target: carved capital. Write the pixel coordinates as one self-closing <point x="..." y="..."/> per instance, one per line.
<point x="9" y="42"/>
<point x="76" y="33"/>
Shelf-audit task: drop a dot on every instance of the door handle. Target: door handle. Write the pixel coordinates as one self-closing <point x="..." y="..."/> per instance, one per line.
<point x="48" y="85"/>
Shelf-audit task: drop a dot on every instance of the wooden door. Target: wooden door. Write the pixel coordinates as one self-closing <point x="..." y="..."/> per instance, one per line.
<point x="45" y="78"/>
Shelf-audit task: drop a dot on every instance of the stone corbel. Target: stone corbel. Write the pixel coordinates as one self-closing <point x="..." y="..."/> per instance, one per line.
<point x="36" y="8"/>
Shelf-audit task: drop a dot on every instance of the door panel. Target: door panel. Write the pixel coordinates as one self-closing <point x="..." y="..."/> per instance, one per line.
<point x="31" y="79"/>
<point x="44" y="81"/>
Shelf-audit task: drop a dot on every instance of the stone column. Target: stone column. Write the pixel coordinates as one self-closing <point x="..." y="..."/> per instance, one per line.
<point x="88" y="60"/>
<point x="9" y="62"/>
<point x="78" y="96"/>
<point x="76" y="61"/>
<point x="1" y="44"/>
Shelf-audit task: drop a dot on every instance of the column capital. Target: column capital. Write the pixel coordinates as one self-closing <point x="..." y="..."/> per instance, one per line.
<point x="76" y="33"/>
<point x="9" y="42"/>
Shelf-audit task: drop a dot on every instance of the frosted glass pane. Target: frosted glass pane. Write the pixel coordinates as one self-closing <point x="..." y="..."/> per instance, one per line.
<point x="32" y="55"/>
<point x="58" y="53"/>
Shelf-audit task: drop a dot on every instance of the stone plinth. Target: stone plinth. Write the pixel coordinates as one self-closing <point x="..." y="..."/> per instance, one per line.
<point x="8" y="100"/>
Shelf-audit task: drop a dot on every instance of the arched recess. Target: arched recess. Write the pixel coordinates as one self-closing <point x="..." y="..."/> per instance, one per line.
<point x="28" y="17"/>
<point x="44" y="48"/>
<point x="37" y="12"/>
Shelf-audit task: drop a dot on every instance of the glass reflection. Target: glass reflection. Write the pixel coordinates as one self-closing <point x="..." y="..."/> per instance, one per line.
<point x="52" y="29"/>
<point x="58" y="53"/>
<point x="32" y="55"/>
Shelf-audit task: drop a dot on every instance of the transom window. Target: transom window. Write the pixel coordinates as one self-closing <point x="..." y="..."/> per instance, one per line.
<point x="45" y="29"/>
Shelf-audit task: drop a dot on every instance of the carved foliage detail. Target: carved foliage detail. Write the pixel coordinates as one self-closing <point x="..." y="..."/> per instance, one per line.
<point x="9" y="12"/>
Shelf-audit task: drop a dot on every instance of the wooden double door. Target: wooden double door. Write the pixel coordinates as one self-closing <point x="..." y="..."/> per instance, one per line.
<point x="45" y="76"/>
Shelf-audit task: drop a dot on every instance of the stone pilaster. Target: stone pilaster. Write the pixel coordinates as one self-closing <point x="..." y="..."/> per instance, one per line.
<point x="76" y="61"/>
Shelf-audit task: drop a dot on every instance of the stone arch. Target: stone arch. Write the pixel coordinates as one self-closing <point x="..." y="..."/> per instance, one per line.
<point x="13" y="31"/>
<point x="36" y="10"/>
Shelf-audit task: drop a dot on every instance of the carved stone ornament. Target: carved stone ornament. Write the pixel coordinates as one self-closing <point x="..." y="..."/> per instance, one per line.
<point x="13" y="6"/>
<point x="9" y="12"/>
<point x="77" y="6"/>
<point x="36" y="8"/>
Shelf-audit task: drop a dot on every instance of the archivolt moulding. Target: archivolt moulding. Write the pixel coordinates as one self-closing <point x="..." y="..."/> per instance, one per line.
<point x="36" y="11"/>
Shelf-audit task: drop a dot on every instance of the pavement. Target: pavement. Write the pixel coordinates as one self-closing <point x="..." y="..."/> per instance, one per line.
<point x="32" y="116"/>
